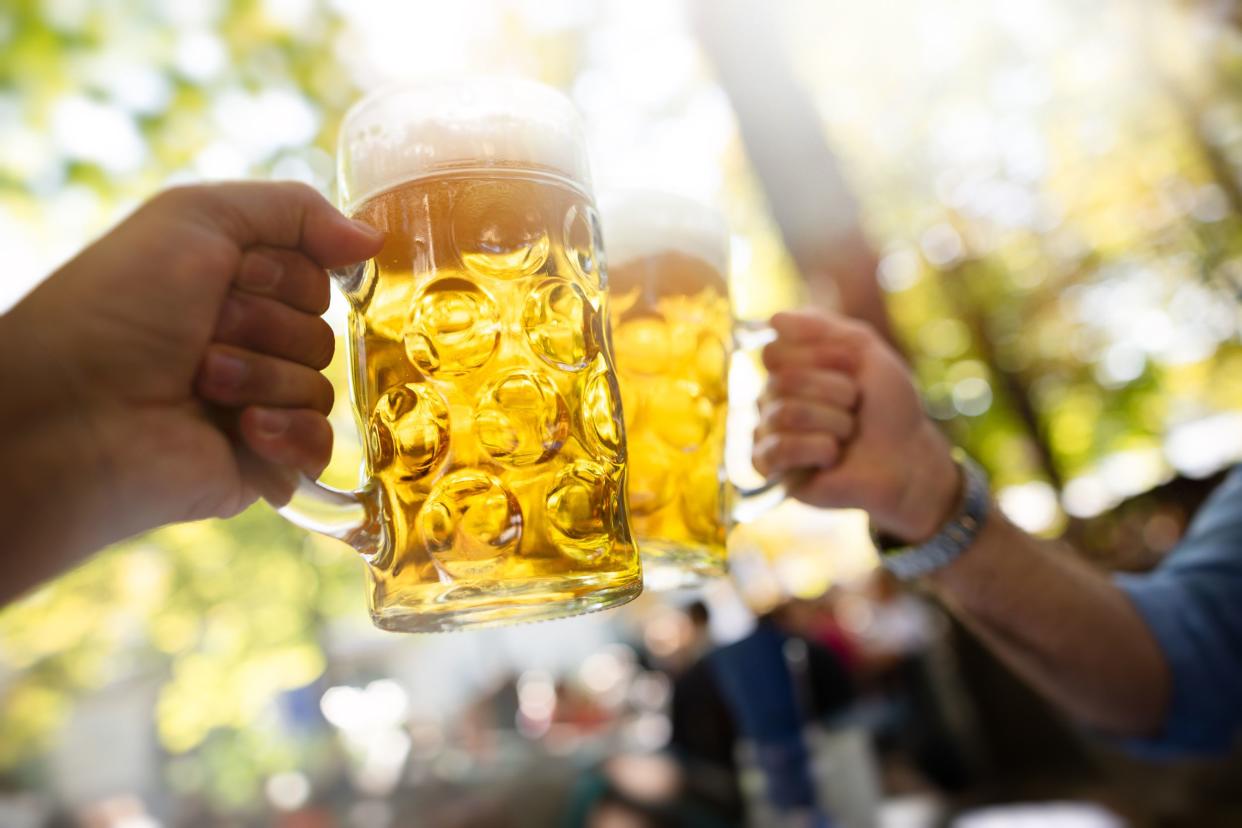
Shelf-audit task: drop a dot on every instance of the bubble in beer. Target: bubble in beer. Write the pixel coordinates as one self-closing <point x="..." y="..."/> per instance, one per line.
<point x="383" y="361"/>
<point x="454" y="328"/>
<point x="702" y="497"/>
<point x="681" y="414"/>
<point x="582" y="506"/>
<point x="557" y="321"/>
<point x="499" y="231"/>
<point x="470" y="523"/>
<point x="409" y="430"/>
<point x="652" y="468"/>
<point x="583" y="244"/>
<point x="520" y="419"/>
<point x="711" y="364"/>
<point x="643" y="345"/>
<point x="601" y="421"/>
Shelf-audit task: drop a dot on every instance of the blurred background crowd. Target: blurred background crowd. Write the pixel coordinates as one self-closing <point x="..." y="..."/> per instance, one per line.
<point x="1040" y="202"/>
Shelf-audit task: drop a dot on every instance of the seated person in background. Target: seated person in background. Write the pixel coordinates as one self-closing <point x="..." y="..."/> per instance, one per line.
<point x="763" y="689"/>
<point x="1156" y="658"/>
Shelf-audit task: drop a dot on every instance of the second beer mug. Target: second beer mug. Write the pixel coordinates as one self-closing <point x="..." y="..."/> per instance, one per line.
<point x="482" y="379"/>
<point x="674" y="335"/>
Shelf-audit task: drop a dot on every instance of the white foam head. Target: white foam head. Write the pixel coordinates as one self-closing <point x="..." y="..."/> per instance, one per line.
<point x="643" y="223"/>
<point x="401" y="133"/>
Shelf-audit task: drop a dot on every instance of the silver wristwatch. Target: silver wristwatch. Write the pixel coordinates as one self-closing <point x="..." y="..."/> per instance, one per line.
<point x="910" y="562"/>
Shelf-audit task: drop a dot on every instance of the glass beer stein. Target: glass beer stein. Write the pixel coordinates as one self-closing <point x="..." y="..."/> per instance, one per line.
<point x="674" y="336"/>
<point x="482" y="378"/>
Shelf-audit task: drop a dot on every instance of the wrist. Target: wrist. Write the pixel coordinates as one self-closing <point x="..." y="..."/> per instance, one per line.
<point x="932" y="493"/>
<point x="952" y="538"/>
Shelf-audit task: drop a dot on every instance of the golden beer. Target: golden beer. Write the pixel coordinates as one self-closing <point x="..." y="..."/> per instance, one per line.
<point x="481" y="373"/>
<point x="672" y="332"/>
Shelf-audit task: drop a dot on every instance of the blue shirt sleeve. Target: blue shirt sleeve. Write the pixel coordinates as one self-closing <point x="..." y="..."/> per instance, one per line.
<point x="1193" y="604"/>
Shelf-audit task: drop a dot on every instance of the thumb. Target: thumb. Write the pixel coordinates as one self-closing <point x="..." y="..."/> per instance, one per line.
<point x="286" y="214"/>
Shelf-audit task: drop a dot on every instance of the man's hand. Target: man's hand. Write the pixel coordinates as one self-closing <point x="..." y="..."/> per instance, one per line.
<point x="842" y="404"/>
<point x="171" y="370"/>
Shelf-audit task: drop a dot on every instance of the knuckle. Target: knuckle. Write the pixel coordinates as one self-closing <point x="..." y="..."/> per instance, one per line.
<point x="821" y="321"/>
<point x="850" y="326"/>
<point x="178" y="196"/>
<point x="840" y="424"/>
<point x="785" y="415"/>
<point x="302" y="193"/>
<point x="862" y="335"/>
<point x="199" y="256"/>
<point x="849" y="392"/>
<point x="829" y="449"/>
<point x="786" y="454"/>
<point x="786" y="382"/>
<point x="795" y="416"/>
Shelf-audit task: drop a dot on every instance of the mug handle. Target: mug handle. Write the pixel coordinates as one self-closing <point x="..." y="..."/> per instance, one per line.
<point x="349" y="516"/>
<point x="750" y="503"/>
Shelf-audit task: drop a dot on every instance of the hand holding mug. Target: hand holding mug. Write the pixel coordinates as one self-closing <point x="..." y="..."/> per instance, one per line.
<point x="841" y="402"/>
<point x="160" y="374"/>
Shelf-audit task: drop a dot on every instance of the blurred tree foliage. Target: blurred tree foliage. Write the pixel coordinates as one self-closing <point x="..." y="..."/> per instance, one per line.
<point x="1062" y="225"/>
<point x="1057" y="201"/>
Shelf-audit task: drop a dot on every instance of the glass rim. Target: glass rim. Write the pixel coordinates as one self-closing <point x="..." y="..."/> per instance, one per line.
<point x="473" y="121"/>
<point x="640" y="222"/>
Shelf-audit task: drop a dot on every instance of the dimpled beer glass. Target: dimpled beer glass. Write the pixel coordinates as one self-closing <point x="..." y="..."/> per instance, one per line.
<point x="674" y="335"/>
<point x="481" y="371"/>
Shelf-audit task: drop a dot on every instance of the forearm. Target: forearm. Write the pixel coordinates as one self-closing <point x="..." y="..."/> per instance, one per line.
<point x="45" y="517"/>
<point x="1062" y="625"/>
<point x="51" y="499"/>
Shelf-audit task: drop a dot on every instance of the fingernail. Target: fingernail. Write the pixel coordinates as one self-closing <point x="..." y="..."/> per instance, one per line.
<point x="225" y="370"/>
<point x="259" y="272"/>
<point x="373" y="232"/>
<point x="270" y="422"/>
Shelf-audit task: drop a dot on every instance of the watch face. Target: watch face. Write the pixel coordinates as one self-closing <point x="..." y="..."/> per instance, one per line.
<point x="888" y="545"/>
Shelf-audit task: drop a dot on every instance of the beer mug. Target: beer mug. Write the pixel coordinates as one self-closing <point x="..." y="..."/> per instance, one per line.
<point x="481" y="374"/>
<point x="674" y="335"/>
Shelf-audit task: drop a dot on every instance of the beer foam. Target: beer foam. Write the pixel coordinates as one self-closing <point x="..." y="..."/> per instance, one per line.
<point x="643" y="223"/>
<point x="402" y="133"/>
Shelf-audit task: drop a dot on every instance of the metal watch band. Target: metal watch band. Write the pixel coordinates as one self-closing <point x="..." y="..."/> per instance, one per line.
<point x="910" y="562"/>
